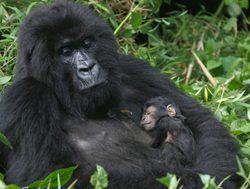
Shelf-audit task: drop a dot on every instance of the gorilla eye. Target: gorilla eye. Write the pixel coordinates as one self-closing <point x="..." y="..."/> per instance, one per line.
<point x="87" y="43"/>
<point x="66" y="51"/>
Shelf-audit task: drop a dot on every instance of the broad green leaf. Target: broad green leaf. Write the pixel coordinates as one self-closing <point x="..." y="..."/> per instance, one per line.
<point x="170" y="181"/>
<point x="100" y="178"/>
<point x="208" y="181"/>
<point x="12" y="186"/>
<point x="164" y="180"/>
<point x="234" y="9"/>
<point x="136" y="20"/>
<point x="230" y="63"/>
<point x="240" y="126"/>
<point x="211" y="46"/>
<point x="52" y="179"/>
<point x="231" y="24"/>
<point x="244" y="4"/>
<point x="4" y="79"/>
<point x="212" y="64"/>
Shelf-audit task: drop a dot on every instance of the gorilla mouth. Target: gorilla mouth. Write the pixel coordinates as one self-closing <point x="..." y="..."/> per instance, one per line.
<point x="148" y="125"/>
<point x="89" y="77"/>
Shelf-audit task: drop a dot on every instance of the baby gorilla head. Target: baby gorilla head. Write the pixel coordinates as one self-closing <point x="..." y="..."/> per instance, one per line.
<point x="163" y="121"/>
<point x="157" y="108"/>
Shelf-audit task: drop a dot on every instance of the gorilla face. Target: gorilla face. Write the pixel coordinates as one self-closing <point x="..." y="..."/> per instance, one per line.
<point x="79" y="55"/>
<point x="70" y="49"/>
<point x="67" y="38"/>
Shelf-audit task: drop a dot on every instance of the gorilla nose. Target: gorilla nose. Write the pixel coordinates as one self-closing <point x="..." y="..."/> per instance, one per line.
<point x="86" y="66"/>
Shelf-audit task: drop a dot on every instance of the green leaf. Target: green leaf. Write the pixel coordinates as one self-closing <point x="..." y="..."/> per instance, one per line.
<point x="170" y="181"/>
<point x="208" y="181"/>
<point x="241" y="171"/>
<point x="2" y="184"/>
<point x="1" y="176"/>
<point x="164" y="180"/>
<point x="4" y="79"/>
<point x="136" y="20"/>
<point x="234" y="9"/>
<point x="244" y="4"/>
<point x="5" y="140"/>
<point x="1" y="13"/>
<point x="103" y="7"/>
<point x="231" y="24"/>
<point x="100" y="178"/>
<point x="230" y="63"/>
<point x="13" y="186"/>
<point x="211" y="46"/>
<point x="228" y="2"/>
<point x="240" y="126"/>
<point x="212" y="64"/>
<point x="51" y="180"/>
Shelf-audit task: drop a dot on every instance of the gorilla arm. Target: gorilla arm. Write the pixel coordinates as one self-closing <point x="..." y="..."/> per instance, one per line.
<point x="30" y="118"/>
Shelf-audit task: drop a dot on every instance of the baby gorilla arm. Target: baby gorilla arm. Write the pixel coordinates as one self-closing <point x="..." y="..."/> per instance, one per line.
<point x="179" y="136"/>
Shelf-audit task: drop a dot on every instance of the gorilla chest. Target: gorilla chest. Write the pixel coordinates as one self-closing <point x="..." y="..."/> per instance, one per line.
<point x="101" y="136"/>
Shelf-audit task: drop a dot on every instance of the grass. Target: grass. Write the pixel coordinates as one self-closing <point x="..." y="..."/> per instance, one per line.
<point x="207" y="56"/>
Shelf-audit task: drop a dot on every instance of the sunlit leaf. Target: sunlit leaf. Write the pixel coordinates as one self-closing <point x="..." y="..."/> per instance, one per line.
<point x="100" y="178"/>
<point x="52" y="178"/>
<point x="136" y="20"/>
<point x="212" y="64"/>
<point x="4" y="80"/>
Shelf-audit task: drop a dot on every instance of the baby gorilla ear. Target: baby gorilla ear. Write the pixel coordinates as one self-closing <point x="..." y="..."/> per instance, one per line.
<point x="171" y="110"/>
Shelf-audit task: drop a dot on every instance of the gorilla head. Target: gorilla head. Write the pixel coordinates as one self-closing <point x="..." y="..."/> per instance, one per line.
<point x="71" y="50"/>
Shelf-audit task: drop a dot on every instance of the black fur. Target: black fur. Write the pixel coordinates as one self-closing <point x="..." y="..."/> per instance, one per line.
<point x="38" y="112"/>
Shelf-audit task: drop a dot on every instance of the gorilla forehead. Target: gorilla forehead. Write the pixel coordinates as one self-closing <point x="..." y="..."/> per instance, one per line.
<point x="63" y="19"/>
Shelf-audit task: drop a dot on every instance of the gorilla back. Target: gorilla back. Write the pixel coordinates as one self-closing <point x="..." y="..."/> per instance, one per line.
<point x="69" y="77"/>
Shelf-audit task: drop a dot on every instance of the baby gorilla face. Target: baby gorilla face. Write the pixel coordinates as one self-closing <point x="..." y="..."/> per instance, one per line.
<point x="153" y="113"/>
<point x="149" y="118"/>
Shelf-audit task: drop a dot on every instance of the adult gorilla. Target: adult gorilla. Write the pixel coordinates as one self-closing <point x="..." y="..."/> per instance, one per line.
<point x="70" y="79"/>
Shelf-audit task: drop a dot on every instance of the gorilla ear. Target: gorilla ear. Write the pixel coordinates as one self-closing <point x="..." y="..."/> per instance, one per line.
<point x="171" y="110"/>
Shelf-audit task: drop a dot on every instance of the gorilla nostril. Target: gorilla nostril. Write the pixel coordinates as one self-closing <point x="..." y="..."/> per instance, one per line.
<point x="87" y="69"/>
<point x="84" y="69"/>
<point x="91" y="66"/>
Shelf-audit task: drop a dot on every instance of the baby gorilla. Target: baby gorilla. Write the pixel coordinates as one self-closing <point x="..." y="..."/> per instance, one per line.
<point x="163" y="121"/>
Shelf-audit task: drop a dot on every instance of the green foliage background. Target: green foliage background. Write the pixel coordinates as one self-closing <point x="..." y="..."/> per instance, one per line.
<point x="221" y="43"/>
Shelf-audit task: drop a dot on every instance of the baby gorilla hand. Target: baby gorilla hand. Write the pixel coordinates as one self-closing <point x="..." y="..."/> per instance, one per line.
<point x="181" y="137"/>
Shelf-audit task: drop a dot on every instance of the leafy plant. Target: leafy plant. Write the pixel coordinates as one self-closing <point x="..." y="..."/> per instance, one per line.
<point x="170" y="181"/>
<point x="57" y="179"/>
<point x="100" y="178"/>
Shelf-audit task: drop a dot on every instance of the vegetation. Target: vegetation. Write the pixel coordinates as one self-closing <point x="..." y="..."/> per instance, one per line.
<point x="206" y="55"/>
